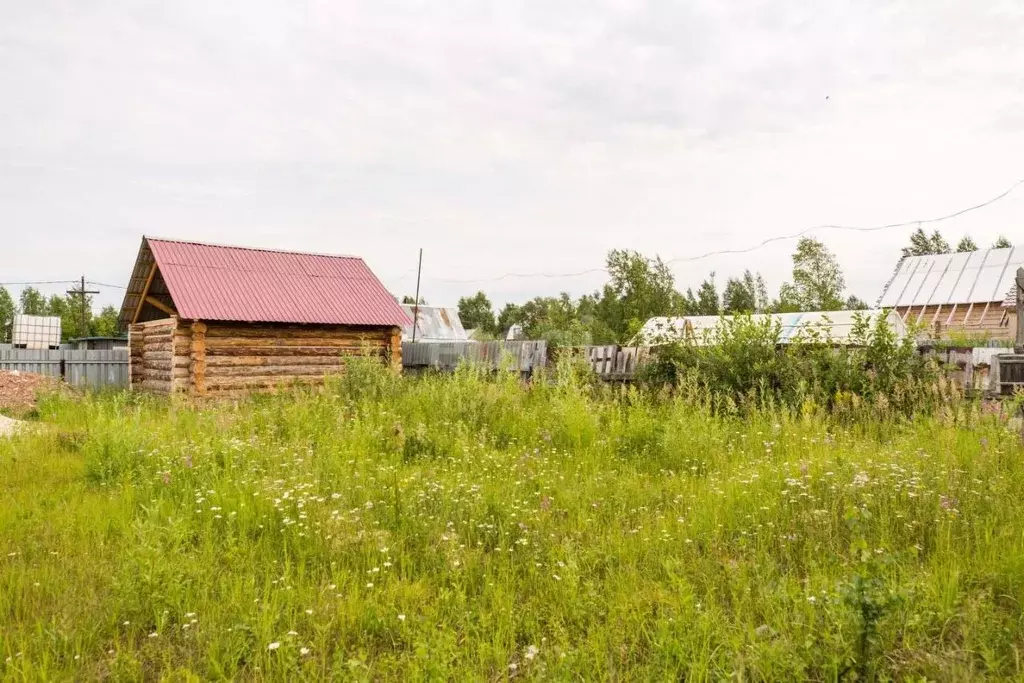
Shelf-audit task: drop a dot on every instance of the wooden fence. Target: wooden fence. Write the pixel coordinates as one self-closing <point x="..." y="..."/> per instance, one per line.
<point x="84" y="369"/>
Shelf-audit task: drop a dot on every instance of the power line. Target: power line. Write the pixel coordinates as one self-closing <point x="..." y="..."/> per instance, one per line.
<point x="770" y="240"/>
<point x="39" y="282"/>
<point x="103" y="284"/>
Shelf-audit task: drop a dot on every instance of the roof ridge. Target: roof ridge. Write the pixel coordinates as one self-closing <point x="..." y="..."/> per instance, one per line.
<point x="241" y="248"/>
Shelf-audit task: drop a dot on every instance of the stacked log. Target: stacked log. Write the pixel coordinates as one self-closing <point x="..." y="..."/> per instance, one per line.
<point x="240" y="357"/>
<point x="155" y="349"/>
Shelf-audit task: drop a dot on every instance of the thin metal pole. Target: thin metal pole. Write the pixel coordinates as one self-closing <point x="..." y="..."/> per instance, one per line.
<point x="83" y="292"/>
<point x="416" y="303"/>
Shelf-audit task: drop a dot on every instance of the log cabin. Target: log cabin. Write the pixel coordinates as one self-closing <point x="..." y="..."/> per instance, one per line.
<point x="969" y="294"/>
<point x="208" y="320"/>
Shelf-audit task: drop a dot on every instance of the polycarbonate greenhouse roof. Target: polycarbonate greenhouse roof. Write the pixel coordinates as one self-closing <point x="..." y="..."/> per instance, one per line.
<point x="434" y="324"/>
<point x="835" y="327"/>
<point x="964" y="278"/>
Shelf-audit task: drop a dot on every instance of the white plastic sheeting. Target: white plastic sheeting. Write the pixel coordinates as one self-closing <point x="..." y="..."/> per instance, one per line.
<point x="971" y="277"/>
<point x="35" y="332"/>
<point x="836" y="327"/>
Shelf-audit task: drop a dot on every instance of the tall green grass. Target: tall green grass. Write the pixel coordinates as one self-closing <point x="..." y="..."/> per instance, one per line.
<point x="472" y="527"/>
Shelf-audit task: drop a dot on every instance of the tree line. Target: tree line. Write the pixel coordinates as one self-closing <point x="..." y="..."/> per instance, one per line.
<point x="68" y="308"/>
<point x="641" y="287"/>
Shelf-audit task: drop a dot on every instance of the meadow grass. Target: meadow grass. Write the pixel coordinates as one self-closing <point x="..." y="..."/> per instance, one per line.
<point x="472" y="527"/>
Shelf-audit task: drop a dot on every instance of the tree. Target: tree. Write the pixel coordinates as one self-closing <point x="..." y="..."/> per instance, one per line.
<point x="854" y="303"/>
<point x="966" y="244"/>
<point x="639" y="289"/>
<point x="7" y="311"/>
<point x="411" y="301"/>
<point x="476" y="312"/>
<point x="707" y="301"/>
<point x="745" y="295"/>
<point x="1002" y="243"/>
<point x="32" y="302"/>
<point x="508" y="316"/>
<point x="106" y="323"/>
<point x="818" y="281"/>
<point x="921" y="244"/>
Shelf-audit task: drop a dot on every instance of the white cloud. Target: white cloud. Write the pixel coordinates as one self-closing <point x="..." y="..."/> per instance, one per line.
<point x="502" y="137"/>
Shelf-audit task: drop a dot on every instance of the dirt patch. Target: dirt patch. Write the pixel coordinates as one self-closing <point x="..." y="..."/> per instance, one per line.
<point x="18" y="390"/>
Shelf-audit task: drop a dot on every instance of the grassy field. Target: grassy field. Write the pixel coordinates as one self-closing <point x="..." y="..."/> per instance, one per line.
<point x="471" y="528"/>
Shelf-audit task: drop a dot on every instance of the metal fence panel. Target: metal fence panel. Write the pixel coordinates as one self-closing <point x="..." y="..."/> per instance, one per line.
<point x="524" y="356"/>
<point x="85" y="369"/>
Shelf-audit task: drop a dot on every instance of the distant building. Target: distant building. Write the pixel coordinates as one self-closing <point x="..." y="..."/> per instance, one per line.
<point x="433" y="324"/>
<point x="97" y="343"/>
<point x="834" y="326"/>
<point x="35" y="332"/>
<point x="969" y="292"/>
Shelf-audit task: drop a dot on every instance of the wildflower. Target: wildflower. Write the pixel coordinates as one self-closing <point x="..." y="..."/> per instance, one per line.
<point x="811" y="599"/>
<point x="293" y="633"/>
<point x="369" y="585"/>
<point x="309" y="611"/>
<point x="304" y="651"/>
<point x="531" y="652"/>
<point x="273" y="646"/>
<point x="154" y="634"/>
<point x="557" y="577"/>
<point x="401" y="617"/>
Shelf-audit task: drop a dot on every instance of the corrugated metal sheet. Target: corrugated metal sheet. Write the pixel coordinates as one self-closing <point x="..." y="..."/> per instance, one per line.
<point x="93" y="369"/>
<point x="208" y="282"/>
<point x="836" y="326"/>
<point x="434" y="324"/>
<point x="524" y="356"/>
<point x="973" y="277"/>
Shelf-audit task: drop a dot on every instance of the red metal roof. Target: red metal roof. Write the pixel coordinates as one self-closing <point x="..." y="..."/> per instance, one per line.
<point x="208" y="282"/>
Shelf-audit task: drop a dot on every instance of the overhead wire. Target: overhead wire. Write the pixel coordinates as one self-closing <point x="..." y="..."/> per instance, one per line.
<point x="770" y="240"/>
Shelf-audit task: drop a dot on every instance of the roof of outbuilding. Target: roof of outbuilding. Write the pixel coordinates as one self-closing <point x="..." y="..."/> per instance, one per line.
<point x="835" y="327"/>
<point x="434" y="324"/>
<point x="212" y="282"/>
<point x="962" y="278"/>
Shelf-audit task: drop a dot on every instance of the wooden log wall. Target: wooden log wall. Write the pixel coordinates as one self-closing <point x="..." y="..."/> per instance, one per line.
<point x="243" y="357"/>
<point x="158" y="356"/>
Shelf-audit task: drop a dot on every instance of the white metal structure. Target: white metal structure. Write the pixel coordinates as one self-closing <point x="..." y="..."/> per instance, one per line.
<point x="944" y="279"/>
<point x="836" y="327"/>
<point x="35" y="332"/>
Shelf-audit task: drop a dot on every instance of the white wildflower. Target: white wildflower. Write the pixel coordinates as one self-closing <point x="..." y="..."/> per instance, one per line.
<point x="273" y="646"/>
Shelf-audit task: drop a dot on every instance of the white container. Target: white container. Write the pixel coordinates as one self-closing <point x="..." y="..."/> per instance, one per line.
<point x="35" y="332"/>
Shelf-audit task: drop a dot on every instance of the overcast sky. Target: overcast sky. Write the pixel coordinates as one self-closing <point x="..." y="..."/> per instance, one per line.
<point x="503" y="137"/>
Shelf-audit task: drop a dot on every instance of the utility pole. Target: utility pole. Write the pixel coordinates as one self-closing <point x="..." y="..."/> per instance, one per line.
<point x="416" y="302"/>
<point x="82" y="292"/>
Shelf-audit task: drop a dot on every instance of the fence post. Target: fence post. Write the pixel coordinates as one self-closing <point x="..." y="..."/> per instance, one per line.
<point x="1018" y="344"/>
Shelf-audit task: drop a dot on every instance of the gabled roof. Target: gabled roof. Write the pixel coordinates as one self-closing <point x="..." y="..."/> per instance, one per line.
<point x="210" y="282"/>
<point x="434" y="324"/>
<point x="962" y="278"/>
